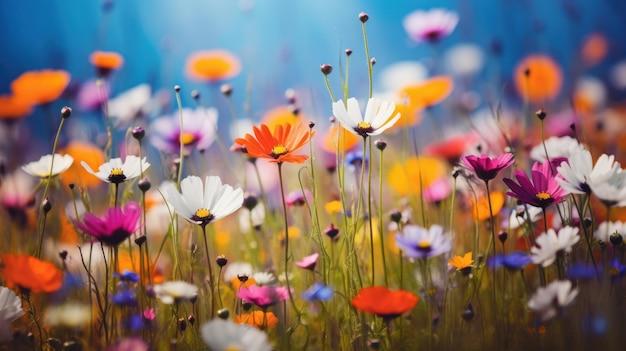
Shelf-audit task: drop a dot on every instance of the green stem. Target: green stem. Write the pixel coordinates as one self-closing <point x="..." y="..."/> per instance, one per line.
<point x="380" y="217"/>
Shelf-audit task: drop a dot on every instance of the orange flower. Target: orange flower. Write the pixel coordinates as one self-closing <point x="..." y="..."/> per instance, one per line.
<point x="594" y="49"/>
<point x="40" y="87"/>
<point x="106" y="61"/>
<point x="427" y="93"/>
<point x="12" y="108"/>
<point x="279" y="146"/>
<point x="258" y="319"/>
<point x="481" y="208"/>
<point x="409" y="115"/>
<point x="415" y="174"/>
<point x="538" y="78"/>
<point x="281" y="115"/>
<point x="462" y="263"/>
<point x="238" y="284"/>
<point x="385" y="303"/>
<point x="31" y="273"/>
<point x="76" y="174"/>
<point x="212" y="66"/>
<point x="347" y="142"/>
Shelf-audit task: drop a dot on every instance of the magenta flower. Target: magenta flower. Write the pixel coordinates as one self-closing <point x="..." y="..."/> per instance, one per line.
<point x="430" y="26"/>
<point x="308" y="262"/>
<point x="542" y="192"/>
<point x="263" y="296"/>
<point x="485" y="167"/>
<point x="115" y="226"/>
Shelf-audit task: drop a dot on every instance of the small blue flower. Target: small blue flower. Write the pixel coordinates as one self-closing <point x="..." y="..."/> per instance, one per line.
<point x="127" y="276"/>
<point x="618" y="270"/>
<point x="318" y="292"/>
<point x="125" y="297"/>
<point x="512" y="261"/>
<point x="355" y="159"/>
<point x="581" y="271"/>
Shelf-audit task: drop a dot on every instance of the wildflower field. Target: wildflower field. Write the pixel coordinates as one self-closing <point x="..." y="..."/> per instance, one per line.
<point x="464" y="194"/>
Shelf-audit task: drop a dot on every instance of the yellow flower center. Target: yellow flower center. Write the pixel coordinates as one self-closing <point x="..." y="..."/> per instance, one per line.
<point x="364" y="125"/>
<point x="117" y="176"/>
<point x="232" y="348"/>
<point x="203" y="213"/>
<point x="117" y="172"/>
<point x="543" y="196"/>
<point x="423" y="245"/>
<point x="278" y="151"/>
<point x="188" y="138"/>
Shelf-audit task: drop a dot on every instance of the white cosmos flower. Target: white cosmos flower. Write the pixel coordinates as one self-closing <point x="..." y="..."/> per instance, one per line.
<point x="264" y="278"/>
<point x="578" y="173"/>
<point x="130" y="104"/>
<point x="233" y="269"/>
<point x="115" y="171"/>
<point x="203" y="204"/>
<point x="519" y="216"/>
<point x="610" y="187"/>
<point x="175" y="291"/>
<point x="549" y="244"/>
<point x="223" y="335"/>
<point x="10" y="311"/>
<point x="41" y="168"/>
<point x="550" y="300"/>
<point x="605" y="229"/>
<point x="69" y="315"/>
<point x="465" y="59"/>
<point x="378" y="116"/>
<point x="558" y="147"/>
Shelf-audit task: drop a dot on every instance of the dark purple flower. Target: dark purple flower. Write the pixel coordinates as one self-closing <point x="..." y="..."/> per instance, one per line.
<point x="263" y="296"/>
<point x="513" y="261"/>
<point x="542" y="192"/>
<point x="485" y="167"/>
<point x="115" y="226"/>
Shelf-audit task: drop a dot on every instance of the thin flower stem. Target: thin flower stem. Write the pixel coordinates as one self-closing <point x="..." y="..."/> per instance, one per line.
<point x="584" y="228"/>
<point x="369" y="208"/>
<point x="493" y="240"/>
<point x="369" y="62"/>
<point x="330" y="90"/>
<point x="211" y="277"/>
<point x="542" y="273"/>
<point x="180" y="140"/>
<point x="380" y="217"/>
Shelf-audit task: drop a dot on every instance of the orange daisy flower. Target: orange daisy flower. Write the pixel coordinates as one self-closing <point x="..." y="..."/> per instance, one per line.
<point x="281" y="115"/>
<point x="385" y="303"/>
<point x="538" y="78"/>
<point x="106" y="61"/>
<point x="427" y="93"/>
<point x="31" y="273"/>
<point x="40" y="87"/>
<point x="12" y="108"/>
<point x="278" y="146"/>
<point x="462" y="264"/>
<point x="415" y="174"/>
<point x="212" y="65"/>
<point x="481" y="207"/>
<point x="258" y="319"/>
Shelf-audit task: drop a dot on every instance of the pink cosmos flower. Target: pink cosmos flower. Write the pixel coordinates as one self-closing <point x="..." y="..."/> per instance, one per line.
<point x="308" y="262"/>
<point x="115" y="226"/>
<point x="485" y="167"/>
<point x="263" y="296"/>
<point x="199" y="131"/>
<point x="430" y="26"/>
<point x="438" y="190"/>
<point x="298" y="198"/>
<point x="542" y="192"/>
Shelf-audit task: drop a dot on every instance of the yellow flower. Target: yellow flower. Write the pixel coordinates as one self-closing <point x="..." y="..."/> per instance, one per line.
<point x="333" y="207"/>
<point x="462" y="264"/>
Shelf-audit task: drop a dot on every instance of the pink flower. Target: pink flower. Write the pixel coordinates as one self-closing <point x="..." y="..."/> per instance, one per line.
<point x="149" y="314"/>
<point x="298" y="198"/>
<point x="485" y="167"/>
<point x="430" y="26"/>
<point x="263" y="296"/>
<point x="115" y="226"/>
<point x="542" y="192"/>
<point x="308" y="262"/>
<point x="438" y="190"/>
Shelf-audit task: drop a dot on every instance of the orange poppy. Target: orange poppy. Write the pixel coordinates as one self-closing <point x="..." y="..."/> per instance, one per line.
<point x="481" y="208"/>
<point x="453" y="148"/>
<point x="278" y="146"/>
<point x="427" y="93"/>
<point x="347" y="141"/>
<point x="12" y="108"/>
<point x="40" y="87"/>
<point x="414" y="174"/>
<point x="594" y="49"/>
<point x="385" y="303"/>
<point x="31" y="273"/>
<point x="258" y="319"/>
<point x="212" y="65"/>
<point x="76" y="174"/>
<point x="281" y="115"/>
<point x="538" y="78"/>
<point x="106" y="61"/>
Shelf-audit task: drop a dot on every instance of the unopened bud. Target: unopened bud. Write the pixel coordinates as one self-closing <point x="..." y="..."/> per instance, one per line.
<point x="326" y="69"/>
<point x="363" y="17"/>
<point x="46" y="205"/>
<point x="177" y="88"/>
<point x="221" y="260"/>
<point x="138" y="133"/>
<point x="66" y="112"/>
<point x="226" y="89"/>
<point x="195" y="95"/>
<point x="144" y="184"/>
<point x="541" y="114"/>
<point x="380" y="144"/>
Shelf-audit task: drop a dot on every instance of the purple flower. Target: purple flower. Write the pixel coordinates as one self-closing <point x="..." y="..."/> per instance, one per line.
<point x="263" y="296"/>
<point x="430" y="26"/>
<point x="318" y="292"/>
<point x="308" y="262"/>
<point x="115" y="226"/>
<point x="513" y="261"/>
<point x="418" y="242"/>
<point x="298" y="198"/>
<point x="199" y="130"/>
<point x="485" y="167"/>
<point x="542" y="192"/>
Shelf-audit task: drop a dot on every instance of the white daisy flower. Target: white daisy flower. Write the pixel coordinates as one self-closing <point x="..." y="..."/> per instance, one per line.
<point x="549" y="244"/>
<point x="203" y="204"/>
<point x="41" y="168"/>
<point x="69" y="315"/>
<point x="519" y="216"/>
<point x="117" y="172"/>
<point x="10" y="311"/>
<point x="605" y="229"/>
<point x="175" y="291"/>
<point x="378" y="116"/>
<point x="249" y="219"/>
<point x="550" y="300"/>
<point x="264" y="278"/>
<point x="223" y="335"/>
<point x="558" y="147"/>
<point x="610" y="188"/>
<point x="234" y="269"/>
<point x="130" y="104"/>
<point x="578" y="173"/>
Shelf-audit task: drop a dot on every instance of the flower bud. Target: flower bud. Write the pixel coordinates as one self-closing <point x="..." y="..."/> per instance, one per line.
<point x="144" y="184"/>
<point x="363" y="17"/>
<point x="221" y="260"/>
<point x="326" y="69"/>
<point x="66" y="112"/>
<point x="380" y="144"/>
<point x="226" y="89"/>
<point x="138" y="133"/>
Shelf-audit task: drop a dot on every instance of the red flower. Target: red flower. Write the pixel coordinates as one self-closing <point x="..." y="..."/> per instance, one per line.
<point x="31" y="273"/>
<point x="385" y="303"/>
<point x="278" y="146"/>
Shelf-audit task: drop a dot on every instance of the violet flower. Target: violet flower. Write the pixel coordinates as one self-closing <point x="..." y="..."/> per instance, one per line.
<point x="485" y="167"/>
<point x="115" y="226"/>
<point x="542" y="192"/>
